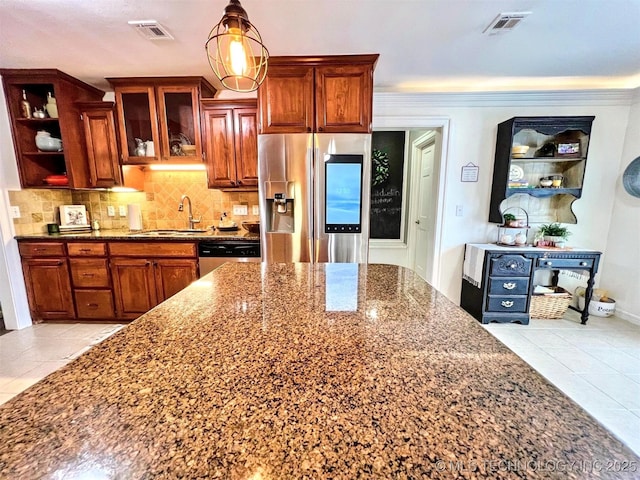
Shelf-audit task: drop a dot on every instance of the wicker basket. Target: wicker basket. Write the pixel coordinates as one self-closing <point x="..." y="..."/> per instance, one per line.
<point x="550" y="305"/>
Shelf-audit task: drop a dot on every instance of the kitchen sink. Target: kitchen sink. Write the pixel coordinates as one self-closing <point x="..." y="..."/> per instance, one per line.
<point x="167" y="233"/>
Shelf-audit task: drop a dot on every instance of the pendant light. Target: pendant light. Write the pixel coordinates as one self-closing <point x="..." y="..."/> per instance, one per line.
<point x="236" y="53"/>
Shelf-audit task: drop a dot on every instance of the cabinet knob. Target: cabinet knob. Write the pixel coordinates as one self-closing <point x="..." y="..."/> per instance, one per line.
<point x="417" y="222"/>
<point x="308" y="129"/>
<point x="232" y="182"/>
<point x="509" y="285"/>
<point x="239" y="182"/>
<point x="507" y="303"/>
<point x="513" y="265"/>
<point x="583" y="264"/>
<point x="147" y="263"/>
<point x="320" y="129"/>
<point x="549" y="263"/>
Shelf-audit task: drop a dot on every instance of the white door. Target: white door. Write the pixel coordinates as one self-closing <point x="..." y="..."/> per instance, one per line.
<point x="423" y="258"/>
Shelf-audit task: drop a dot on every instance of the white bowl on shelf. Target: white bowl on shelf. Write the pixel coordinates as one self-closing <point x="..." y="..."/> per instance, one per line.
<point x="46" y="143"/>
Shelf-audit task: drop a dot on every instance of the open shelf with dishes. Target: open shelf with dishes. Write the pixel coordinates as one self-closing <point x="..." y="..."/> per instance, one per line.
<point x="42" y="102"/>
<point x="541" y="157"/>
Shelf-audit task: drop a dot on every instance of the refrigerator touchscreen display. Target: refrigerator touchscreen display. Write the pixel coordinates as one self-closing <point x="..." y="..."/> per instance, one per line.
<point x="343" y="194"/>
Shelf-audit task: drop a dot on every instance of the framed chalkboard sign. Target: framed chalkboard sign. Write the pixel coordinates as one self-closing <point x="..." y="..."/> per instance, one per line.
<point x="387" y="177"/>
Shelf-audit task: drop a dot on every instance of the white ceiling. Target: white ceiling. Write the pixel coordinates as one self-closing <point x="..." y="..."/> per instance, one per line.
<point x="424" y="45"/>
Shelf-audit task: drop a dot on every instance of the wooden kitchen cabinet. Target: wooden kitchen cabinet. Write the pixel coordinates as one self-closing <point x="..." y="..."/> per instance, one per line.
<point x="91" y="280"/>
<point x="163" y="114"/>
<point x="34" y="165"/>
<point x="47" y="280"/>
<point x="555" y="147"/>
<point x="102" y="145"/>
<point x="327" y="94"/>
<point x="230" y="138"/>
<point x="141" y="281"/>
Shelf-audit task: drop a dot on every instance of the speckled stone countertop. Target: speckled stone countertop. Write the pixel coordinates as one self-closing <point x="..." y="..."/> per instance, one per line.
<point x="292" y="371"/>
<point x="114" y="234"/>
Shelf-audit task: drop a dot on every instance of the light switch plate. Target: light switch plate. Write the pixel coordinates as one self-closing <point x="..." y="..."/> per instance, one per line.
<point x="240" y="210"/>
<point x="111" y="211"/>
<point x="122" y="210"/>
<point x="15" y="211"/>
<point x="255" y="210"/>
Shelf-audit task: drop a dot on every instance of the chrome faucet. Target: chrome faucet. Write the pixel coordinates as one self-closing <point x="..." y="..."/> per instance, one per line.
<point x="192" y="221"/>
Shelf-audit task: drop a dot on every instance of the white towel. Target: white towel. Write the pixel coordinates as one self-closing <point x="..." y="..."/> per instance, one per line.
<point x="473" y="264"/>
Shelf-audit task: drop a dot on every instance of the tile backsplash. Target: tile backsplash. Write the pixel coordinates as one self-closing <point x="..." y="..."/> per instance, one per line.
<point x="159" y="203"/>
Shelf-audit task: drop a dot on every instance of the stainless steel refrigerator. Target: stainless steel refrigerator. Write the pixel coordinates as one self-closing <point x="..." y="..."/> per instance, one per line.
<point x="314" y="197"/>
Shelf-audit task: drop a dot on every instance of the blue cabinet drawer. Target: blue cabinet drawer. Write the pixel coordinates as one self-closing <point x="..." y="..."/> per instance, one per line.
<point x="508" y="285"/>
<point x="565" y="262"/>
<point x="506" y="303"/>
<point x="510" y="265"/>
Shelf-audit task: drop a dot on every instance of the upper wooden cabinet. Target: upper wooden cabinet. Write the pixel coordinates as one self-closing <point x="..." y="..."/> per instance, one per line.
<point x="328" y="94"/>
<point x="102" y="144"/>
<point x="230" y="138"/>
<point x="158" y="118"/>
<point x="35" y="165"/>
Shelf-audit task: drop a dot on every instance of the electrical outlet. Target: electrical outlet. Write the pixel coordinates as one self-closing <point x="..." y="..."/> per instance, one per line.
<point x="240" y="210"/>
<point x="15" y="211"/>
<point x="255" y="210"/>
<point x="122" y="210"/>
<point x="458" y="210"/>
<point x="111" y="211"/>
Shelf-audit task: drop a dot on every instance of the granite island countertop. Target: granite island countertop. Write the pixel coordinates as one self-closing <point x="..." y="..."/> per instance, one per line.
<point x="303" y="371"/>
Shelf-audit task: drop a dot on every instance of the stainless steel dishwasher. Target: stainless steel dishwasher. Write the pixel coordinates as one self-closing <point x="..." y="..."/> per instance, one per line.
<point x="213" y="254"/>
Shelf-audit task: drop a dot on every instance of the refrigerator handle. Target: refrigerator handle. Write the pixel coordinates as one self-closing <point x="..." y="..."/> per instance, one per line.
<point x="311" y="197"/>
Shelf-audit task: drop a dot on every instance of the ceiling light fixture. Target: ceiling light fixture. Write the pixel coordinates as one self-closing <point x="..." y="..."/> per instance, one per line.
<point x="236" y="53"/>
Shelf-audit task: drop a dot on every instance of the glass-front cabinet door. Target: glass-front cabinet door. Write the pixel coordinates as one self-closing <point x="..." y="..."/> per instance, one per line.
<point x="137" y="120"/>
<point x="179" y="123"/>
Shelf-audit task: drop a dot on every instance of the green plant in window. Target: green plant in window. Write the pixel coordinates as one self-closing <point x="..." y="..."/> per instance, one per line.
<point x="380" y="170"/>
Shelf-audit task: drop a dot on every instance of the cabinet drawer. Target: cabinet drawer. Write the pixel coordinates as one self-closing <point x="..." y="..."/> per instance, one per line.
<point x="94" y="249"/>
<point x="506" y="303"/>
<point x="153" y="249"/>
<point x="565" y="262"/>
<point x="509" y="285"/>
<point x="89" y="272"/>
<point x="510" y="265"/>
<point x="41" y="249"/>
<point x="94" y="304"/>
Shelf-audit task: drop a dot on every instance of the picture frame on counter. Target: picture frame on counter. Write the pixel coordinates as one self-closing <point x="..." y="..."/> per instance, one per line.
<point x="73" y="217"/>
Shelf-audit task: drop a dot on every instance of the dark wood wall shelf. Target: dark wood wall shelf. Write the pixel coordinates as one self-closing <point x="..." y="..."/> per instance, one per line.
<point x="544" y="137"/>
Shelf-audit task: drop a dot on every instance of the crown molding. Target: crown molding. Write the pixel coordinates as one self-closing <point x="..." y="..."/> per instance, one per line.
<point x="609" y="97"/>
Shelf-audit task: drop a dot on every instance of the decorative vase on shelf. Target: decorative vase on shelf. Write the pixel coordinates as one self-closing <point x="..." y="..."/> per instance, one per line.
<point x="51" y="106"/>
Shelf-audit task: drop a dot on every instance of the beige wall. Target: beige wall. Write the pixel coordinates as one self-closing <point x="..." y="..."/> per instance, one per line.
<point x="159" y="203"/>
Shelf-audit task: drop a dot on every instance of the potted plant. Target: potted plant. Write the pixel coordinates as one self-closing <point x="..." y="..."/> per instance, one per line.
<point x="555" y="234"/>
<point x="510" y="220"/>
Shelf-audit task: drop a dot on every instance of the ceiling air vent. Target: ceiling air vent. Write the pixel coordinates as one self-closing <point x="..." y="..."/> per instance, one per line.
<point x="151" y="30"/>
<point x="505" y="22"/>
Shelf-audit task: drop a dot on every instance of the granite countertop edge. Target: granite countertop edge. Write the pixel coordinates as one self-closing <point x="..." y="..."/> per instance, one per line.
<point x="136" y="236"/>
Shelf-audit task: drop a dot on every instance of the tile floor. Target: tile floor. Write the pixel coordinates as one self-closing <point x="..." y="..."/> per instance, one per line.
<point x="30" y="354"/>
<point x="597" y="365"/>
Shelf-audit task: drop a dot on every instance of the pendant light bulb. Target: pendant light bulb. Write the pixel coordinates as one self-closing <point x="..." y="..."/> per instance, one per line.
<point x="235" y="50"/>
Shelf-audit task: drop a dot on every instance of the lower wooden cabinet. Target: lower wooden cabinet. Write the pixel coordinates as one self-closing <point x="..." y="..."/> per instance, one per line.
<point x="140" y="281"/>
<point x="91" y="280"/>
<point x="103" y="281"/>
<point x="48" y="288"/>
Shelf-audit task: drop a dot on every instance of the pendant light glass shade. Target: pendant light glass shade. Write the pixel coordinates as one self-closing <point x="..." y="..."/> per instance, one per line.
<point x="236" y="53"/>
